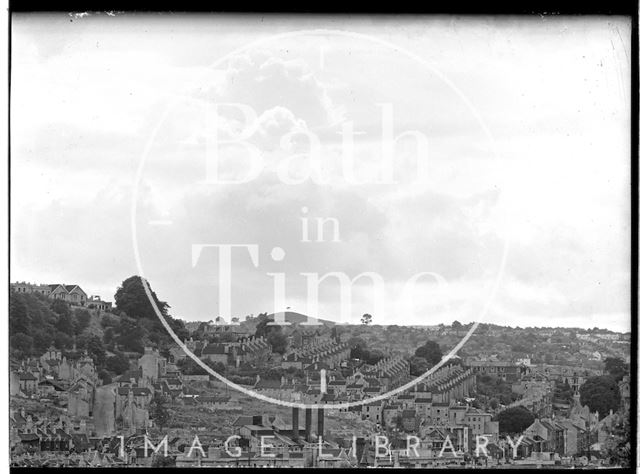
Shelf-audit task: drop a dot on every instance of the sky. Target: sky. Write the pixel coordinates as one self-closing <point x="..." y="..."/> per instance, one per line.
<point x="510" y="192"/>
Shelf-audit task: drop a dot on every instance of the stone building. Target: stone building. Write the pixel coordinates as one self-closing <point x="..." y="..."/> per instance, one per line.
<point x="152" y="364"/>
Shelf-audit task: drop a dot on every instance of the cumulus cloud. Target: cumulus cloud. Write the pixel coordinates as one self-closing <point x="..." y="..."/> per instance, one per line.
<point x="79" y="138"/>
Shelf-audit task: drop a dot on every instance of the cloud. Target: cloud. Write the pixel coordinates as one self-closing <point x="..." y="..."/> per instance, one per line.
<point x="84" y="108"/>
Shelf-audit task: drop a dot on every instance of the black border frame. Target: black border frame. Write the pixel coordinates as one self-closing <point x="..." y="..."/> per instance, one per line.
<point x="541" y="8"/>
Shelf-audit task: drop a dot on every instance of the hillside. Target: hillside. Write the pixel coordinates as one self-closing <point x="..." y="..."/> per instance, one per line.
<point x="37" y="322"/>
<point x="298" y="318"/>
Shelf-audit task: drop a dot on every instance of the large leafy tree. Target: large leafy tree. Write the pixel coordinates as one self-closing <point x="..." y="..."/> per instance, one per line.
<point x="514" y="420"/>
<point x="131" y="298"/>
<point x="430" y="351"/>
<point x="615" y="367"/>
<point x="274" y="333"/>
<point x="278" y="340"/>
<point x="263" y="325"/>
<point x="118" y="363"/>
<point x="600" y="394"/>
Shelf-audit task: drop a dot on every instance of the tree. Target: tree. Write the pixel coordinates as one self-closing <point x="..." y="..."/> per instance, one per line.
<point x="273" y="332"/>
<point x="65" y="323"/>
<point x="82" y="320"/>
<point x="189" y="367"/>
<point x="366" y="319"/>
<point x="278" y="340"/>
<point x="159" y="412"/>
<point x="263" y="325"/>
<point x="19" y="319"/>
<point x="615" y="367"/>
<point x="514" y="420"/>
<point x="105" y="376"/>
<point x="118" y="363"/>
<point x="63" y="341"/>
<point x="96" y="350"/>
<point x="81" y="342"/>
<point x="456" y="325"/>
<point x="359" y="349"/>
<point x="600" y="394"/>
<point x="131" y="335"/>
<point x="61" y="307"/>
<point x="494" y="387"/>
<point x="235" y="319"/>
<point x="131" y="298"/>
<point x="430" y="351"/>
<point x="418" y="366"/>
<point x="176" y="325"/>
<point x="108" y="336"/>
<point x="42" y="338"/>
<point x="356" y="342"/>
<point x="374" y="356"/>
<point x="22" y="343"/>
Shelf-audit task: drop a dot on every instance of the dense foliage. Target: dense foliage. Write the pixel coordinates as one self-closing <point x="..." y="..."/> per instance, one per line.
<point x="514" y="420"/>
<point x="37" y="323"/>
<point x="273" y="333"/>
<point x="616" y="367"/>
<point x="359" y="350"/>
<point x="489" y="387"/>
<point x="131" y="297"/>
<point x="430" y="351"/>
<point x="600" y="394"/>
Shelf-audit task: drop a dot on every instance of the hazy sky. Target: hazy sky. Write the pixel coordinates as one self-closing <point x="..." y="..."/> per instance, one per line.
<point x="91" y="94"/>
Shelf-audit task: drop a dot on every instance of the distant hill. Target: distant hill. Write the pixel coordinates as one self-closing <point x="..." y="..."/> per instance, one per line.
<point x="298" y="318"/>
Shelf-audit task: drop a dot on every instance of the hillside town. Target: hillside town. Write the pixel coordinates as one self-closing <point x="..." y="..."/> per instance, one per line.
<point x="104" y="386"/>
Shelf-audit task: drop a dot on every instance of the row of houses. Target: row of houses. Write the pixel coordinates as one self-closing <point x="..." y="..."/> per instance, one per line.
<point x="329" y="352"/>
<point x="29" y="434"/>
<point x="72" y="294"/>
<point x="250" y="350"/>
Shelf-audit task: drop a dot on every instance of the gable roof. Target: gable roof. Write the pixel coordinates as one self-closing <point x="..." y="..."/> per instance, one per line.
<point x="70" y="288"/>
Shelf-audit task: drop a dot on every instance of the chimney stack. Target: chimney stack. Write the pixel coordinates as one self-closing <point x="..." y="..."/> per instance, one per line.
<point x="307" y="424"/>
<point x="321" y="422"/>
<point x="296" y="430"/>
